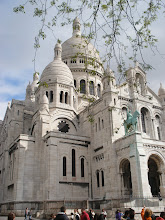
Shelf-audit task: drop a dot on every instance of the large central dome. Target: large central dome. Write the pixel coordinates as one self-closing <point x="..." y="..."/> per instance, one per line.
<point x="57" y="71"/>
<point x="78" y="45"/>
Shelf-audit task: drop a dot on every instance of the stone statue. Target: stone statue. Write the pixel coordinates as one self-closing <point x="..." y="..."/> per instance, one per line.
<point x="138" y="86"/>
<point x="131" y="122"/>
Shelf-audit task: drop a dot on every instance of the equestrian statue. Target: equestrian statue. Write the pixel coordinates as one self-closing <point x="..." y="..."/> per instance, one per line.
<point x="130" y="124"/>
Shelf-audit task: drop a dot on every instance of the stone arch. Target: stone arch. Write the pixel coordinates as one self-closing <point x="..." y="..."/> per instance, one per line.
<point x="124" y="112"/>
<point x="51" y="96"/>
<point x="83" y="86"/>
<point x="82" y="167"/>
<point x="145" y="121"/>
<point x="155" y="167"/>
<point x="73" y="162"/>
<point x="102" y="173"/>
<point x="64" y="165"/>
<point x="91" y="88"/>
<point x="98" y="90"/>
<point x="85" y="165"/>
<point x="98" y="178"/>
<point x="126" y="180"/>
<point x="61" y="96"/>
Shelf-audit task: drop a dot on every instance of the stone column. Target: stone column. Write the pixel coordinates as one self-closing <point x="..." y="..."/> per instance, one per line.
<point x="122" y="184"/>
<point x="53" y="169"/>
<point x="95" y="87"/>
<point x="139" y="174"/>
<point x="20" y="173"/>
<point x="87" y="87"/>
<point x="56" y="95"/>
<point x="153" y="128"/>
<point x="71" y="97"/>
<point x="162" y="183"/>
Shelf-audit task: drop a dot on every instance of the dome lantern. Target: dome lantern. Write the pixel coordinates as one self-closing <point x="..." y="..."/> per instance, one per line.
<point x="76" y="27"/>
<point x="57" y="51"/>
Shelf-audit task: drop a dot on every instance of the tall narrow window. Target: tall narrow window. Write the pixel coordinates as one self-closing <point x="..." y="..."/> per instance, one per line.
<point x="98" y="90"/>
<point x="73" y="163"/>
<point x="74" y="83"/>
<point x="82" y="86"/>
<point x="66" y="98"/>
<point x="51" y="96"/>
<point x="47" y="93"/>
<point x="158" y="131"/>
<point x="82" y="167"/>
<point x="91" y="88"/>
<point x="143" y="120"/>
<point x="18" y="112"/>
<point x="64" y="166"/>
<point x="158" y="126"/>
<point x="102" y="123"/>
<point x="114" y="101"/>
<point x="96" y="127"/>
<point x="61" y="96"/>
<point x="99" y="124"/>
<point x="98" y="179"/>
<point x="102" y="177"/>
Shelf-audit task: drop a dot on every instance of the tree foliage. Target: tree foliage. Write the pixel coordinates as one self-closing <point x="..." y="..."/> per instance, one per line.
<point x="123" y="26"/>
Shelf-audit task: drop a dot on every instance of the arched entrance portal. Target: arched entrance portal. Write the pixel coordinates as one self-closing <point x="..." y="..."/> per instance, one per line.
<point x="126" y="180"/>
<point x="153" y="177"/>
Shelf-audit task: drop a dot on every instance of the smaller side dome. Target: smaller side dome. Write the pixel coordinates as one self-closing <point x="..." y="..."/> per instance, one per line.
<point x="57" y="70"/>
<point x="161" y="90"/>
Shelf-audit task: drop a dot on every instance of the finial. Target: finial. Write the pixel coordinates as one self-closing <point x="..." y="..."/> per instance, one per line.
<point x="161" y="85"/>
<point x="76" y="27"/>
<point x="58" y="50"/>
<point x="136" y="64"/>
<point x="36" y="76"/>
<point x="8" y="104"/>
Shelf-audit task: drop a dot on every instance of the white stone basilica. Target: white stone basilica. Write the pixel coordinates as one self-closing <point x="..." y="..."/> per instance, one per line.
<point x="57" y="147"/>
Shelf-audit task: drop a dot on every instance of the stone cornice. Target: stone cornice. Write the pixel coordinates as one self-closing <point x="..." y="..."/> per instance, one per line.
<point x="126" y="99"/>
<point x="154" y="146"/>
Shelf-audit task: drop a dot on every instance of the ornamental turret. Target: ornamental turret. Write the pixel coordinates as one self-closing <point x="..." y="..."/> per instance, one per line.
<point x="161" y="94"/>
<point x="109" y="81"/>
<point x="28" y="92"/>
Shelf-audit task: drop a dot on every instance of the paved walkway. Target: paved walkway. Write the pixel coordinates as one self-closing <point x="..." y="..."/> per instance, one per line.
<point x="16" y="218"/>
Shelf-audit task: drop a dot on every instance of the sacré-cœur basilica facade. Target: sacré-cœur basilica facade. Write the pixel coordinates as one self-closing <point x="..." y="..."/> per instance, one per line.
<point x="59" y="147"/>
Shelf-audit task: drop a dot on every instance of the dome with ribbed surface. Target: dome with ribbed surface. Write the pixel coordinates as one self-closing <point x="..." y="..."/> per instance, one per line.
<point x="78" y="45"/>
<point x="57" y="71"/>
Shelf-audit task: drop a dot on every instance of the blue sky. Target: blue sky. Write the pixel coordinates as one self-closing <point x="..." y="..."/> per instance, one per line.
<point x="17" y="35"/>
